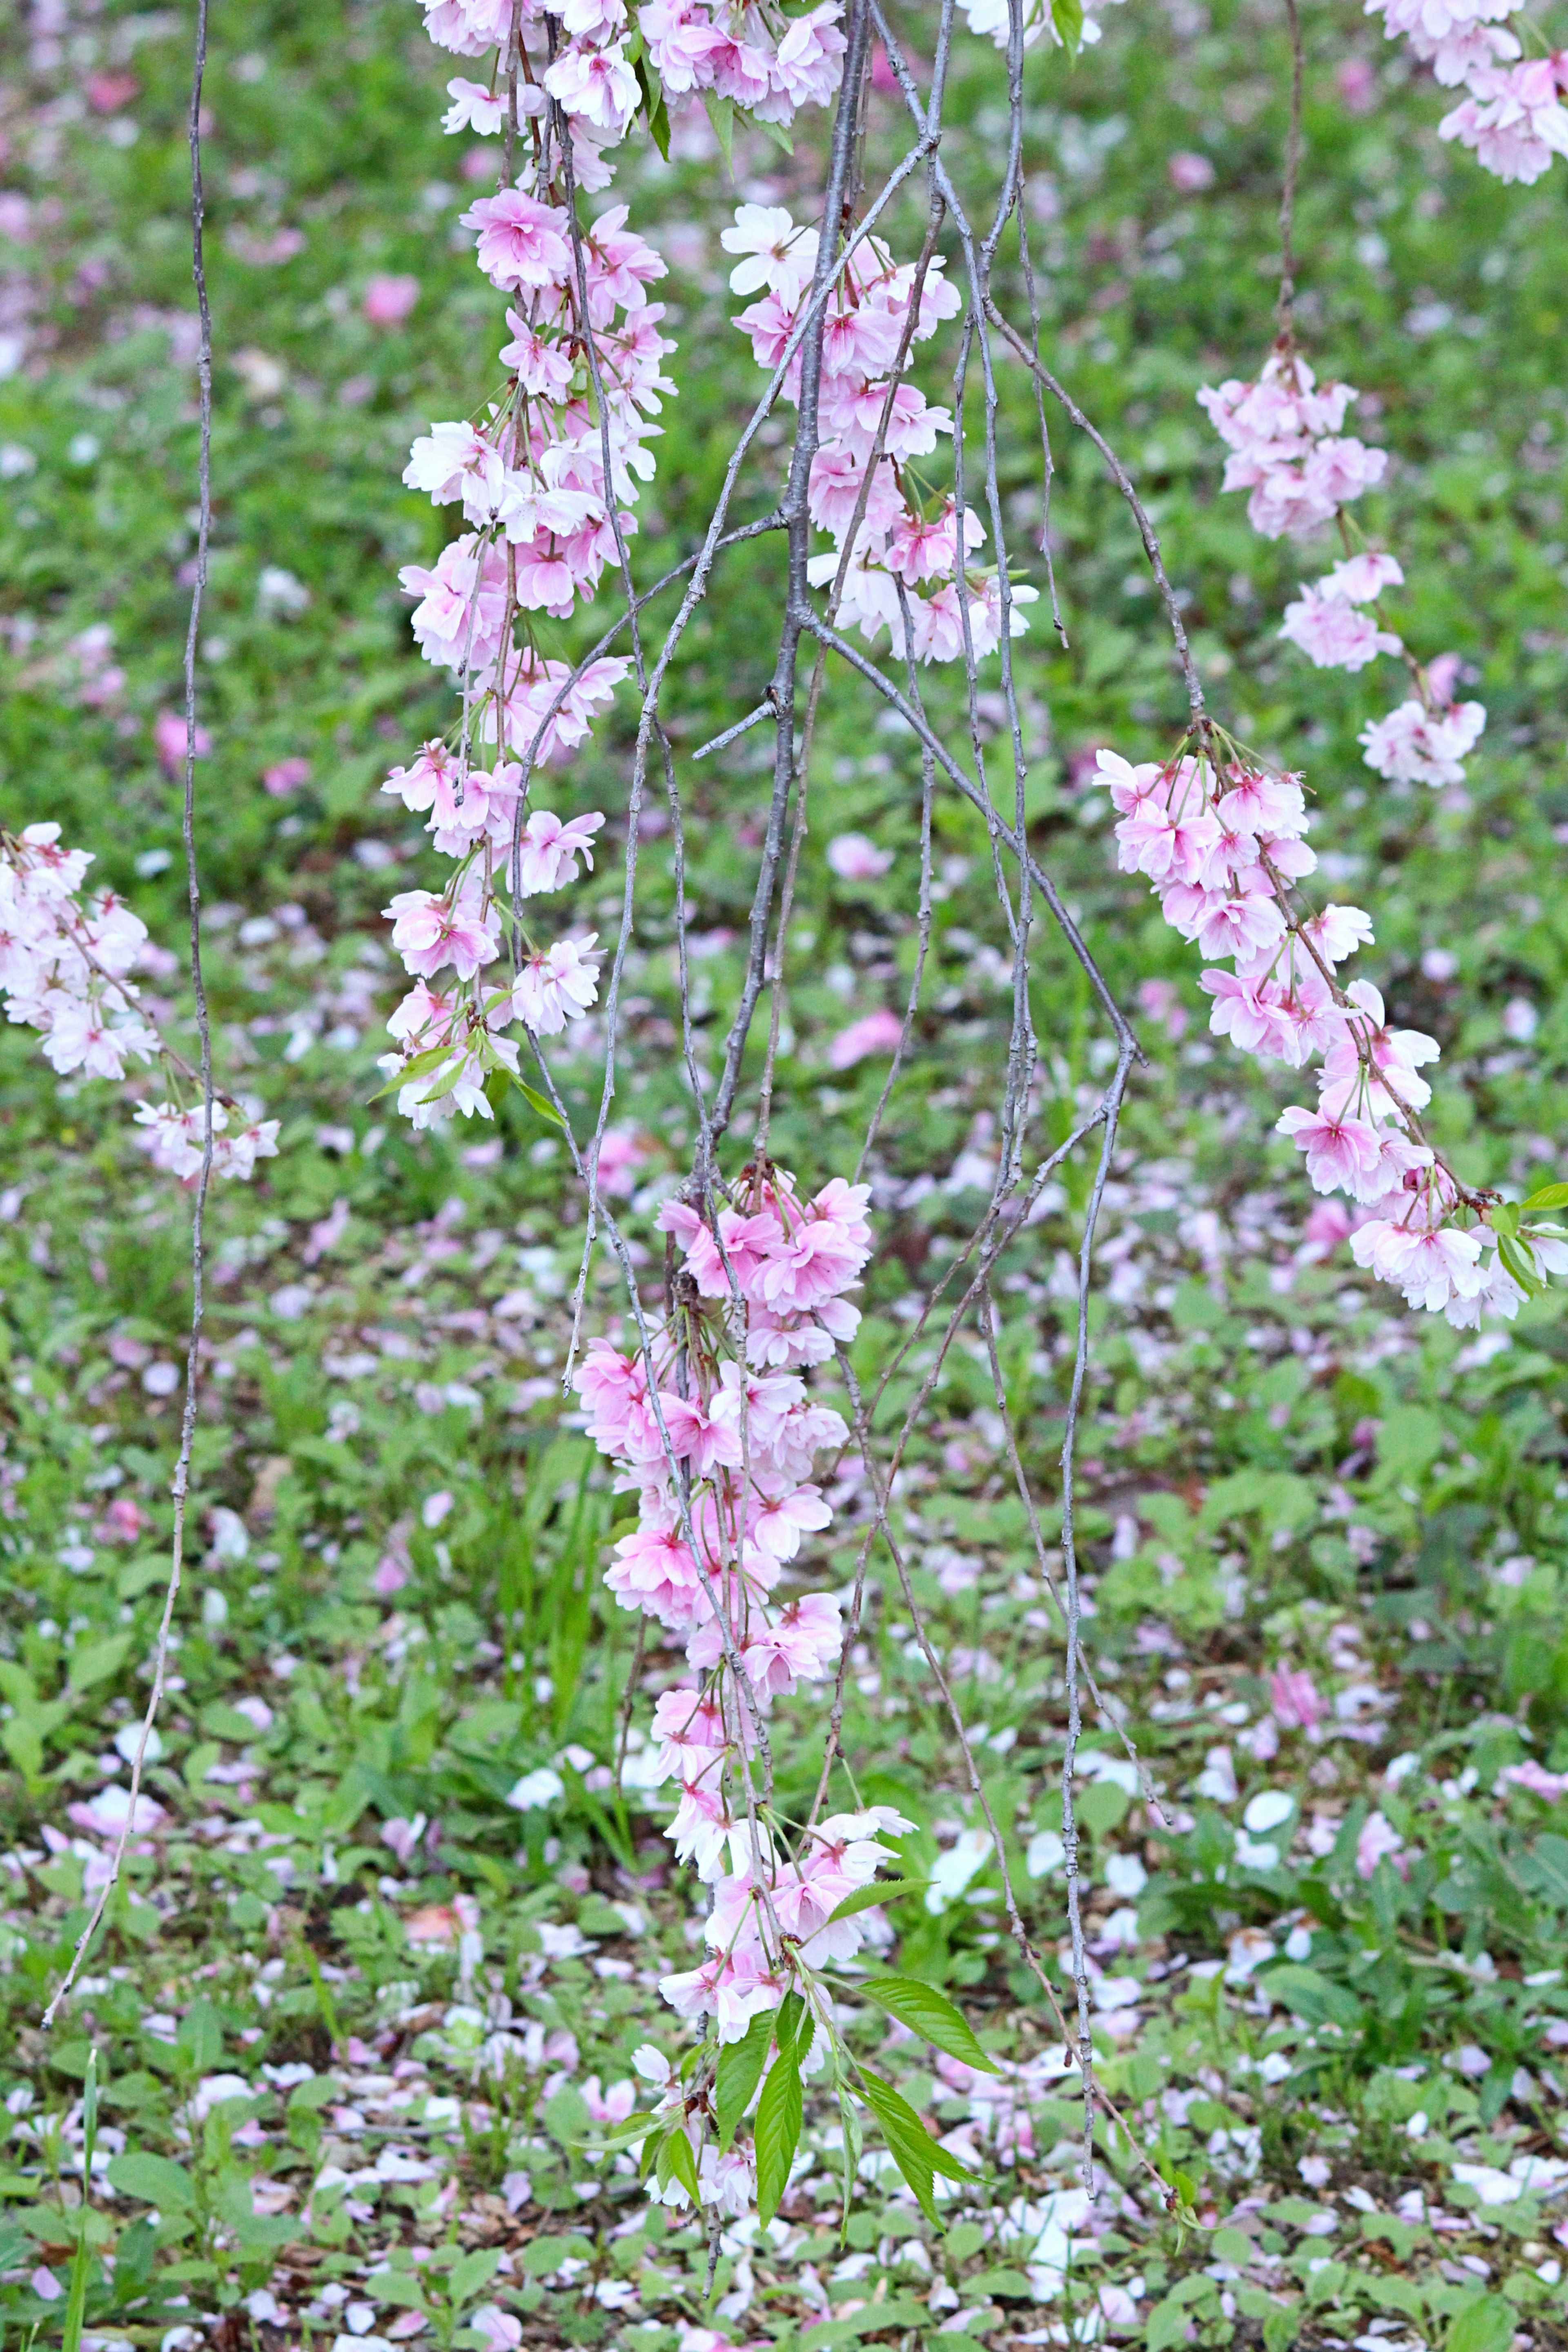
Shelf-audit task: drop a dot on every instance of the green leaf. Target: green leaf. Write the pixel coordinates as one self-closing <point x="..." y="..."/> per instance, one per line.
<point x="1102" y="1807"/>
<point x="566" y="2115"/>
<point x="319" y="2091"/>
<point x="221" y="1721"/>
<point x="1551" y="1196"/>
<point x="653" y="102"/>
<point x="1545" y="1869"/>
<point x="787" y="2020"/>
<point x="780" y="2111"/>
<point x="1520" y="1267"/>
<point x="616" y="2135"/>
<point x="930" y="2014"/>
<point x="1066" y="15"/>
<point x="880" y="1891"/>
<point x="156" y="2179"/>
<point x="1311" y="1996"/>
<point x="473" y="2271"/>
<point x="200" y="2037"/>
<point x="419" y="1068"/>
<point x="911" y="2146"/>
<point x="1503" y="1217"/>
<point x="1167" y="2325"/>
<point x="739" y="2071"/>
<point x="1281" y="2328"/>
<point x="76" y="2301"/>
<point x="1485" y="2325"/>
<point x="94" y="1661"/>
<point x="537" y="1102"/>
<point x="449" y="1083"/>
<point x="773" y="130"/>
<point x="1002" y="2281"/>
<point x="675" y="2162"/>
<point x="495" y="1088"/>
<point x="721" y="115"/>
<point x="849" y="2123"/>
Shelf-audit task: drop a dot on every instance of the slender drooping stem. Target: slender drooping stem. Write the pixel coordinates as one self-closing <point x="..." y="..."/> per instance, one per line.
<point x="1286" y="313"/>
<point x="180" y="1483"/>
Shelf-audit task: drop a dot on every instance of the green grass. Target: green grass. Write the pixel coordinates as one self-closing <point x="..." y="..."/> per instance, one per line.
<point x="1279" y="1468"/>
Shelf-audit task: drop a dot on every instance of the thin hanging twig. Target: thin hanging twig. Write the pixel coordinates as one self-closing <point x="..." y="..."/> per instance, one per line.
<point x="181" y="1481"/>
<point x="1286" y="312"/>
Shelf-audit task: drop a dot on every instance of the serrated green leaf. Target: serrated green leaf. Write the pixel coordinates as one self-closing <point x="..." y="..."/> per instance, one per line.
<point x="1503" y="1218"/>
<point x="880" y="1890"/>
<point x="780" y="2112"/>
<point x="773" y="130"/>
<point x="739" y="2071"/>
<point x="653" y="102"/>
<point x="1066" y="15"/>
<point x="1551" y="1196"/>
<point x="453" y="1079"/>
<point x="537" y="1102"/>
<point x="930" y="2014"/>
<point x="849" y="2124"/>
<point x="911" y="2146"/>
<point x="676" y="2163"/>
<point x="721" y="115"/>
<point x="1520" y="1267"/>
<point x="787" y="2020"/>
<point x="619" y="2135"/>
<point x="419" y="1068"/>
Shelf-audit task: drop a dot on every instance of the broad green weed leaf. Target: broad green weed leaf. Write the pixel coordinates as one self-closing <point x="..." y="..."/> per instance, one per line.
<point x="156" y="2179"/>
<point x="473" y="2271"/>
<point x="1485" y="2325"/>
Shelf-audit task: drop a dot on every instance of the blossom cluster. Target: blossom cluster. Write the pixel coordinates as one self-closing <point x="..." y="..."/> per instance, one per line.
<point x="992" y="18"/>
<point x="1511" y="117"/>
<point x="1222" y="841"/>
<point x="874" y="429"/>
<point x="547" y="480"/>
<point x="716" y="1433"/>
<point x="1286" y="449"/>
<point x="66" y="961"/>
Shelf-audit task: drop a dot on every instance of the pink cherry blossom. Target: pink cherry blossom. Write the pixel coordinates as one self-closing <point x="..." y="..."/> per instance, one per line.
<point x="520" y="242"/>
<point x="1295" y="1699"/>
<point x="1414" y="745"/>
<point x="1378" y="1841"/>
<point x="1342" y="1154"/>
<point x="556" y="984"/>
<point x="430" y="931"/>
<point x="548" y="850"/>
<point x="877" y="1032"/>
<point x="169" y="740"/>
<point x="389" y="301"/>
<point x="1332" y="632"/>
<point x="1512" y="119"/>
